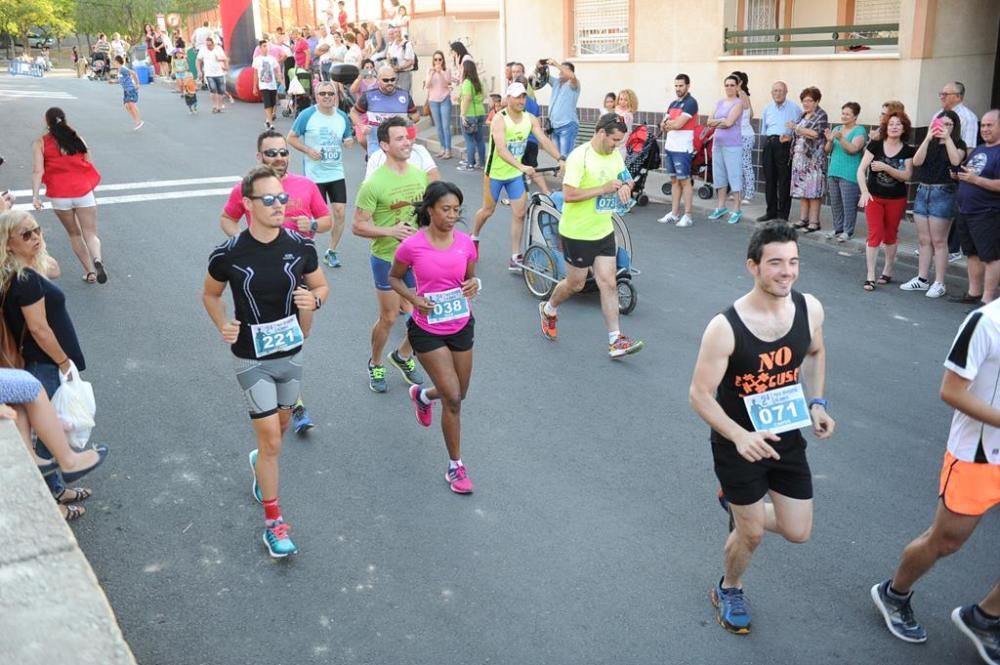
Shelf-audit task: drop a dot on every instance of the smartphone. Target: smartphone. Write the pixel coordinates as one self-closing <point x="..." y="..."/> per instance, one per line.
<point x="936" y="124"/>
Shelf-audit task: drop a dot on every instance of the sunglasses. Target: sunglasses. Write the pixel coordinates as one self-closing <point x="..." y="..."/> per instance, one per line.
<point x="439" y="59"/>
<point x="270" y="199"/>
<point x="392" y="80"/>
<point x="327" y="93"/>
<point x="275" y="152"/>
<point x="27" y="235"/>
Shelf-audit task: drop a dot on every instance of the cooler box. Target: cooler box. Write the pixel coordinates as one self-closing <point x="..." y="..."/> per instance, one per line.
<point x="144" y="73"/>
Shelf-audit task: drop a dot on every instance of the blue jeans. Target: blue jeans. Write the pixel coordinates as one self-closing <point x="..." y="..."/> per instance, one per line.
<point x="48" y="375"/>
<point x="475" y="139"/>
<point x="441" y="114"/>
<point x="565" y="137"/>
<point x="844" y="197"/>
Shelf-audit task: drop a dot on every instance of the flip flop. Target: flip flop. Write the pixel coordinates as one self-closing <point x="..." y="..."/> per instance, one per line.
<point x="884" y="279"/>
<point x="73" y="513"/>
<point x="102" y="276"/>
<point x="90" y="278"/>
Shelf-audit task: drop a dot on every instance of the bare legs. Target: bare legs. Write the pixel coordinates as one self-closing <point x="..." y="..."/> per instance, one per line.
<point x="269" y="433"/>
<point x="450" y="372"/>
<point x="81" y="226"/>
<point x="790" y="518"/>
<point x="388" y="310"/>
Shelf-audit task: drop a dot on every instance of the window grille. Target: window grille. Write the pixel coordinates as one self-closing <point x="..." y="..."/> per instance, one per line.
<point x="600" y="27"/>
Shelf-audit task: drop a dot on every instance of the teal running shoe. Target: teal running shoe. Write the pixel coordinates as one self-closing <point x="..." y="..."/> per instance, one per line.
<point x="279" y="545"/>
<point x="330" y="259"/>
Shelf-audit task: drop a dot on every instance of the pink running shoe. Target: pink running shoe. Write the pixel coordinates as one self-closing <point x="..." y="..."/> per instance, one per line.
<point x="459" y="480"/>
<point x="425" y="412"/>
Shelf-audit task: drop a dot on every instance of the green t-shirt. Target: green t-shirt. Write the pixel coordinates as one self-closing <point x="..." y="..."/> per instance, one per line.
<point x="585" y="168"/>
<point x="476" y="107"/>
<point x="843" y="165"/>
<point x="516" y="137"/>
<point x="390" y="198"/>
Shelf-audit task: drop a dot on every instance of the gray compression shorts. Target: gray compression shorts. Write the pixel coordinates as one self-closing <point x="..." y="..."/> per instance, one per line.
<point x="269" y="384"/>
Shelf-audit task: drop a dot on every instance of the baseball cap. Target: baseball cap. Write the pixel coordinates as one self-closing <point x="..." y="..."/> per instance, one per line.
<point x="516" y="89"/>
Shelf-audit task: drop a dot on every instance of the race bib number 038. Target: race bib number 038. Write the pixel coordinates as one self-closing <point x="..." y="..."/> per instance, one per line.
<point x="276" y="336"/>
<point x="448" y="306"/>
<point x="778" y="411"/>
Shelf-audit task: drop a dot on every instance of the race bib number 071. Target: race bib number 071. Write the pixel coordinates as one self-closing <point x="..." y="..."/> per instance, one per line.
<point x="276" y="336"/>
<point x="780" y="410"/>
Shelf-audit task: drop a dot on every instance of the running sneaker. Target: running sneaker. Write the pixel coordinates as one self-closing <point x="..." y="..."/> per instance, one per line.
<point x="624" y="346"/>
<point x="843" y="237"/>
<point x="139" y="126"/>
<point x="514" y="265"/>
<point x="425" y="412"/>
<point x="733" y="609"/>
<point x="831" y="235"/>
<point x="255" y="489"/>
<point x="459" y="481"/>
<point x="735" y="217"/>
<point x="724" y="502"/>
<point x="330" y="259"/>
<point x="718" y="213"/>
<point x="937" y="290"/>
<point x="985" y="635"/>
<point x="376" y="378"/>
<point x="408" y="368"/>
<point x="954" y="257"/>
<point x="898" y="614"/>
<point x="685" y="221"/>
<point x="465" y="168"/>
<point x="548" y="322"/>
<point x="301" y="420"/>
<point x="669" y="218"/>
<point x="915" y="284"/>
<point x="279" y="545"/>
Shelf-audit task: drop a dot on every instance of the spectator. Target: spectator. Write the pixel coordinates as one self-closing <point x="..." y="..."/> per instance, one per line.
<point x="890" y="107"/>
<point x="201" y="35"/>
<point x="748" y="138"/>
<point x="338" y="49"/>
<point x="212" y="65"/>
<point x="808" y="180"/>
<point x="341" y="15"/>
<point x="941" y="151"/>
<point x="279" y="38"/>
<point x="300" y="49"/>
<point x="562" y="106"/>
<point x="496" y="105"/>
<point x="516" y="73"/>
<point x="160" y="45"/>
<point x="727" y="151"/>
<point x="77" y="62"/>
<point x="459" y="56"/>
<point x="438" y="86"/>
<point x="149" y="38"/>
<point x="844" y="144"/>
<point x="401" y="20"/>
<point x="367" y="78"/>
<point x="118" y="46"/>
<point x="267" y="76"/>
<point x="401" y="58"/>
<point x="610" y="100"/>
<point x="774" y="125"/>
<point x="473" y="117"/>
<point x="979" y="208"/>
<point x="679" y="125"/>
<point x="626" y="105"/>
<point x="353" y="54"/>
<point x="376" y="46"/>
<point x="952" y="97"/>
<point x="885" y="167"/>
<point x="62" y="163"/>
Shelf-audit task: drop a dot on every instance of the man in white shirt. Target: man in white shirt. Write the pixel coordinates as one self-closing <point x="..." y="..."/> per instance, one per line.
<point x="419" y="157"/>
<point x="400" y="55"/>
<point x="212" y="65"/>
<point x="200" y="35"/>
<point x="267" y="75"/>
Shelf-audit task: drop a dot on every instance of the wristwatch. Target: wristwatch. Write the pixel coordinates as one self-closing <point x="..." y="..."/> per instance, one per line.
<point x="819" y="400"/>
<point x="319" y="303"/>
<point x="313" y="226"/>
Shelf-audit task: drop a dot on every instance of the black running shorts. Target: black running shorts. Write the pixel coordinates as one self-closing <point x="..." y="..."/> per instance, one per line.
<point x="581" y="253"/>
<point x="425" y="342"/>
<point x="744" y="483"/>
<point x="334" y="191"/>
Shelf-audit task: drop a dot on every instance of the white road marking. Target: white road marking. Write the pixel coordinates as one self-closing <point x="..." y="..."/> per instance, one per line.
<point x="35" y="94"/>
<point x="142" y="198"/>
<point x="150" y="184"/>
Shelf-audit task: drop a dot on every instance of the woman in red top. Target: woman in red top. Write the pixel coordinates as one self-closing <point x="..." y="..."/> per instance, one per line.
<point x="62" y="162"/>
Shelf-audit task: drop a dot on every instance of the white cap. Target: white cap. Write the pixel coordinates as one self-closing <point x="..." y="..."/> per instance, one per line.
<point x="516" y="89"/>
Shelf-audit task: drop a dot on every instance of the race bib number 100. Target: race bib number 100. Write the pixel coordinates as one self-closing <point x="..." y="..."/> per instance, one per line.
<point x="448" y="306"/>
<point x="778" y="411"/>
<point x="276" y="336"/>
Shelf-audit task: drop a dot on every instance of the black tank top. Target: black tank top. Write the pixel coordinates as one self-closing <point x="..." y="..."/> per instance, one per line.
<point x="757" y="366"/>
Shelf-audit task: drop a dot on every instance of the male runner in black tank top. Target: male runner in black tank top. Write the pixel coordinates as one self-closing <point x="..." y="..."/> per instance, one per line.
<point x="751" y="360"/>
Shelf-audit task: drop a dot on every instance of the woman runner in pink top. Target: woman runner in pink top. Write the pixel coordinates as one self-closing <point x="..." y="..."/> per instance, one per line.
<point x="441" y="327"/>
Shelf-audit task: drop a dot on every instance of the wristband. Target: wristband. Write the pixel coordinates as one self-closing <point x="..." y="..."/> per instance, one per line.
<point x="819" y="400"/>
<point x="313" y="225"/>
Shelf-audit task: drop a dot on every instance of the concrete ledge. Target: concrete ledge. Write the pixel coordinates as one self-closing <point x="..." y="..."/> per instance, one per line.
<point x="50" y="600"/>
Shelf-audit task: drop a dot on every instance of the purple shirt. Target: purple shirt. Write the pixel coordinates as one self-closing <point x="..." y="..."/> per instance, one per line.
<point x="727" y="136"/>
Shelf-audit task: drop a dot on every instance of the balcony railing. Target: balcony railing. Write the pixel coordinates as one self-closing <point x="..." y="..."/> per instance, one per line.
<point x="854" y="37"/>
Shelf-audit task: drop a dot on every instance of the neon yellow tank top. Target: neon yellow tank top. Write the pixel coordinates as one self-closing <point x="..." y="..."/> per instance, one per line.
<point x="516" y="136"/>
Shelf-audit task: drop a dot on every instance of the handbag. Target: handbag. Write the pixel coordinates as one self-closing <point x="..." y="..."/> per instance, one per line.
<point x="10" y="350"/>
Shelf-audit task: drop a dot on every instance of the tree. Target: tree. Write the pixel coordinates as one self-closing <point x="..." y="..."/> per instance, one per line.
<point x="18" y="17"/>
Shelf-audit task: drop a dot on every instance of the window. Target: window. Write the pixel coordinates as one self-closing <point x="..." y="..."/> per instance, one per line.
<point x="761" y="15"/>
<point x="600" y="27"/>
<point x="868" y="12"/>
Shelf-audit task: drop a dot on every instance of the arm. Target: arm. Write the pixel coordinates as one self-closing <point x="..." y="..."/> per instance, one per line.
<point x="363" y="227"/>
<point x="37" y="171"/>
<point x="396" y="274"/>
<point x="229" y="226"/>
<point x="211" y="298"/>
<point x="903" y="174"/>
<point x="676" y="123"/>
<point x="921" y="155"/>
<point x="38" y="326"/>
<point x="956" y="155"/>
<point x="570" y="74"/>
<point x="965" y="175"/>
<point x="733" y="117"/>
<point x="311" y="296"/>
<point x="466" y="101"/>
<point x="297" y="143"/>
<point x="814" y="371"/>
<point x="256" y="81"/>
<point x="856" y="145"/>
<point x="955" y="393"/>
<point x="573" y="194"/>
<point x="433" y="175"/>
<point x="862" y="177"/>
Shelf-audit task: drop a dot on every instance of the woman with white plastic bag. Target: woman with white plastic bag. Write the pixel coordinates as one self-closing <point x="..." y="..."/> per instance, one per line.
<point x="34" y="311"/>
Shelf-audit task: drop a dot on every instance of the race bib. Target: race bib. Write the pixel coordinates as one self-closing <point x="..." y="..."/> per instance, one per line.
<point x="780" y="410"/>
<point x="517" y="148"/>
<point x="608" y="203"/>
<point x="276" y="336"/>
<point x="329" y="154"/>
<point x="448" y="306"/>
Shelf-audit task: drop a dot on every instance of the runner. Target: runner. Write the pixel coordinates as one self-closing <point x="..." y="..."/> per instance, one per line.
<point x="274" y="277"/>
<point x="305" y="213"/>
<point x="969" y="486"/>
<point x="746" y="387"/>
<point x="595" y="185"/>
<point x="129" y="81"/>
<point x="380" y="103"/>
<point x="504" y="171"/>
<point x="383" y="212"/>
<point x="441" y="329"/>
<point x="419" y="157"/>
<point x="320" y="133"/>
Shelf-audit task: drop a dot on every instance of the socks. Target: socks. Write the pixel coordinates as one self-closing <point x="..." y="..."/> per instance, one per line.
<point x="423" y="397"/>
<point x="272" y="511"/>
<point x="395" y="354"/>
<point x="454" y="463"/>
<point x="613" y="335"/>
<point x="474" y="237"/>
<point x="983" y="616"/>
<point x="513" y="257"/>
<point x="897" y="595"/>
<point x="549" y="309"/>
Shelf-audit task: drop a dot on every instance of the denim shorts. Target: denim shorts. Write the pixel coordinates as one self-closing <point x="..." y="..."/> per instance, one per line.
<point x="216" y="84"/>
<point x="380" y="274"/>
<point x="936" y="201"/>
<point x="677" y="164"/>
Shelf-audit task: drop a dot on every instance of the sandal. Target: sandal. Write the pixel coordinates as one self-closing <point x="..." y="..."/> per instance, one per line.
<point x="869" y="285"/>
<point x="884" y="279"/>
<point x="102" y="276"/>
<point x="811" y="229"/>
<point x="81" y="494"/>
<point x="801" y="224"/>
<point x="72" y="513"/>
<point x="90" y="278"/>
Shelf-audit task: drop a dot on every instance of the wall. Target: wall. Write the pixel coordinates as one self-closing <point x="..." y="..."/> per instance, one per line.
<point x="437" y="32"/>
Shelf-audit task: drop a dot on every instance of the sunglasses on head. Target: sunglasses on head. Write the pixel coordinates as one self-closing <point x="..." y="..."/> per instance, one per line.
<point x="270" y="199"/>
<point x="26" y="235"/>
<point x="325" y="93"/>
<point x="275" y="152"/>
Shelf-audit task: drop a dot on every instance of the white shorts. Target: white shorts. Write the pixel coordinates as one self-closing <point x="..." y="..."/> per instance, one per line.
<point x="85" y="201"/>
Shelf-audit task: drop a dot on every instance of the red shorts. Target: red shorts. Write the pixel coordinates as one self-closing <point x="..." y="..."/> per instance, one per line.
<point x="968" y="488"/>
<point x="883" y="217"/>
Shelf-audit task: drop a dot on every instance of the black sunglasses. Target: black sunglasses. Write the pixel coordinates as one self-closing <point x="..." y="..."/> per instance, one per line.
<point x="392" y="80"/>
<point x="327" y="93"/>
<point x="26" y="235"/>
<point x="275" y="152"/>
<point x="269" y="199"/>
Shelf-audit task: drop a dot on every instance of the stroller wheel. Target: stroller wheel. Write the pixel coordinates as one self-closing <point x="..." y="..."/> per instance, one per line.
<point x="642" y="201"/>
<point x="628" y="297"/>
<point x="539" y="271"/>
<point x="705" y="192"/>
<point x="286" y="112"/>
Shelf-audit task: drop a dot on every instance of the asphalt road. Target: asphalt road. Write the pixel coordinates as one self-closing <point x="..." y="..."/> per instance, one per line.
<point x="593" y="535"/>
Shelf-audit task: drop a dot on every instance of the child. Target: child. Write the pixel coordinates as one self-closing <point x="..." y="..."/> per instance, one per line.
<point x="129" y="81"/>
<point x="495" y="106"/>
<point x="181" y="71"/>
<point x="191" y="94"/>
<point x="610" y="100"/>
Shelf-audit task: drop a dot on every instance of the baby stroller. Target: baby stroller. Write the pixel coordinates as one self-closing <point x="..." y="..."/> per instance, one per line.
<point x="543" y="263"/>
<point x="701" y="162"/>
<point x="298" y="95"/>
<point x="642" y="155"/>
<point x="98" y="67"/>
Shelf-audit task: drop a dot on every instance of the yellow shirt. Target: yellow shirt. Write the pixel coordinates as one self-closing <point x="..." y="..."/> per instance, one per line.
<point x="585" y="168"/>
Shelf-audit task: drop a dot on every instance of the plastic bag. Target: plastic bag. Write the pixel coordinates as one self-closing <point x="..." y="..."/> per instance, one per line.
<point x="295" y="87"/>
<point x="74" y="404"/>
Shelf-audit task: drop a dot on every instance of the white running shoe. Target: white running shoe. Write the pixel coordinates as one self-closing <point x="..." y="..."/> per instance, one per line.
<point x="936" y="291"/>
<point x="668" y="218"/>
<point x="957" y="256"/>
<point x="915" y="284"/>
<point x="685" y="221"/>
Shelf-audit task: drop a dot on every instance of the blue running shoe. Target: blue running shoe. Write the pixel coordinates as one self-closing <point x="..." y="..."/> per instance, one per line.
<point x="301" y="420"/>
<point x="733" y="610"/>
<point x="255" y="490"/>
<point x="330" y="259"/>
<point x="279" y="545"/>
<point x="984" y="634"/>
<point x="898" y="615"/>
